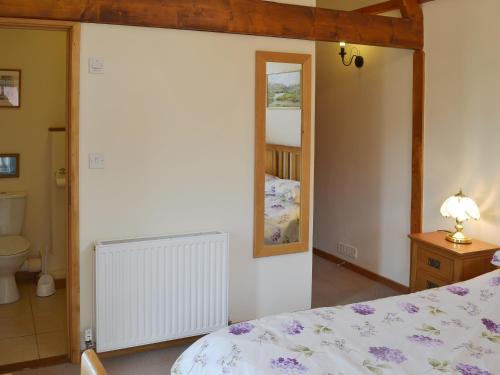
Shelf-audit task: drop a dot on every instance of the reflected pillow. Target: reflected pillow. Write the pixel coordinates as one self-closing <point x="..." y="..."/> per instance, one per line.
<point x="270" y="177"/>
<point x="496" y="259"/>
<point x="292" y="195"/>
<point x="287" y="189"/>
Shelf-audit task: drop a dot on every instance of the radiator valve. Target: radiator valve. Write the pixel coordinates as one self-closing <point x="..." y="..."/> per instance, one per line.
<point x="89" y="344"/>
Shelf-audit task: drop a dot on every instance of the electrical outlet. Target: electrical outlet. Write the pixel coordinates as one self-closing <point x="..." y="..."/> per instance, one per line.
<point x="96" y="160"/>
<point x="347" y="250"/>
<point x="96" y="65"/>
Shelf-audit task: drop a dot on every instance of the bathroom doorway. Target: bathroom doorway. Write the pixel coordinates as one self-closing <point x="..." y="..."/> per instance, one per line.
<point x="39" y="321"/>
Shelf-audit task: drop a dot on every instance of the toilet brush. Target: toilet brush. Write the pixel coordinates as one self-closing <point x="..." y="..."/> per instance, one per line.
<point x="45" y="286"/>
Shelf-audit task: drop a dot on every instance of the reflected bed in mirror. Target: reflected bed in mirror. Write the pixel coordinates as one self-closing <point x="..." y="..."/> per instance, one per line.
<point x="282" y="195"/>
<point x="282" y="148"/>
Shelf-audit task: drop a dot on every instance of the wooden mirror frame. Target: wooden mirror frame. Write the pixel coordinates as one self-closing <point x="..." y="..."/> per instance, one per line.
<point x="260" y="248"/>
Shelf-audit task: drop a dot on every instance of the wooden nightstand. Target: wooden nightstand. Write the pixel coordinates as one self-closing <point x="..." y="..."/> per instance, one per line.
<point x="436" y="262"/>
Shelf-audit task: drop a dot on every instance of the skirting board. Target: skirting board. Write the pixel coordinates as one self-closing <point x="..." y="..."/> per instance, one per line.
<point x="33" y="277"/>
<point x="149" y="347"/>
<point x="369" y="274"/>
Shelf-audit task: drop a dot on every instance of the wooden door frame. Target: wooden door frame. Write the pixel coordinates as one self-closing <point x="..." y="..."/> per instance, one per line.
<point x="73" y="103"/>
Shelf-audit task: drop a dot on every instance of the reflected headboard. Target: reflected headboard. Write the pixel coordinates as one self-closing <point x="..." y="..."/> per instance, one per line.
<point x="283" y="161"/>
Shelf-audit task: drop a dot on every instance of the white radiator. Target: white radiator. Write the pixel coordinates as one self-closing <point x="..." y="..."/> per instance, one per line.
<point x="151" y="290"/>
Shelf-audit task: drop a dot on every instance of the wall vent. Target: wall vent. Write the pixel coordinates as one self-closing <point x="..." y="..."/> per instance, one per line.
<point x="347" y="250"/>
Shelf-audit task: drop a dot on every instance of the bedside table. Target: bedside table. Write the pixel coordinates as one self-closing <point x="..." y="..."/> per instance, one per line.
<point x="436" y="262"/>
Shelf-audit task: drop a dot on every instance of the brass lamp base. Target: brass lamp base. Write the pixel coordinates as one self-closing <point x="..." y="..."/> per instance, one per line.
<point x="458" y="236"/>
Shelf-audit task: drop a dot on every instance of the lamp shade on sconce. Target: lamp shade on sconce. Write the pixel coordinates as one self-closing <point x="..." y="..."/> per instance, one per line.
<point x="461" y="208"/>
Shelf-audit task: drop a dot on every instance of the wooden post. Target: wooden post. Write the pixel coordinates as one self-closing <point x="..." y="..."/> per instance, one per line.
<point x="417" y="185"/>
<point x="411" y="9"/>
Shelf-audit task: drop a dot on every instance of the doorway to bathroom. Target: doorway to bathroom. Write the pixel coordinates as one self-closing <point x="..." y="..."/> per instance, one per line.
<point x="39" y="251"/>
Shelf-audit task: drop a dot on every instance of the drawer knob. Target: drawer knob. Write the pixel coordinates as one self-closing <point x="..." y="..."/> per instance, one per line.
<point x="434" y="263"/>
<point x="431" y="285"/>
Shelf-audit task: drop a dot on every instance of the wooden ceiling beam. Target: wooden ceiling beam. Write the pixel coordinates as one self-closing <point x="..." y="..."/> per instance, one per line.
<point x="251" y="17"/>
<point x="411" y="9"/>
<point x="384" y="7"/>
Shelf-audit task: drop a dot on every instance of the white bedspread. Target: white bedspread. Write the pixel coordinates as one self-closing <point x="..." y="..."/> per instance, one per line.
<point x="450" y="330"/>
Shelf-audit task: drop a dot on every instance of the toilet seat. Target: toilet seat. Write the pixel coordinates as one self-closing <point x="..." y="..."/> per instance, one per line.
<point x="13" y="245"/>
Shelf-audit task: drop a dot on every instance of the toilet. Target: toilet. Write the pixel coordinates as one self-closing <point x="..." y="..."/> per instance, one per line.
<point x="14" y="248"/>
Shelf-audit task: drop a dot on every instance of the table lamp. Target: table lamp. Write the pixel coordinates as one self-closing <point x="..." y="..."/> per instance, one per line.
<point x="461" y="208"/>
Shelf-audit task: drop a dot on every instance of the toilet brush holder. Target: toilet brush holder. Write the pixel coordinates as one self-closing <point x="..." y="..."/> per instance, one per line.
<point x="45" y="286"/>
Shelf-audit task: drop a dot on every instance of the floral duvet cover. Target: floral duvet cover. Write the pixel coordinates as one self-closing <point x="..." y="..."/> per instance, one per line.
<point x="448" y="330"/>
<point x="281" y="221"/>
<point x="281" y="211"/>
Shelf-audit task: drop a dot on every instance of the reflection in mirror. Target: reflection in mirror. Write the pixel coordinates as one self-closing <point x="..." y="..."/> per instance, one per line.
<point x="283" y="101"/>
<point x="9" y="165"/>
<point x="283" y="141"/>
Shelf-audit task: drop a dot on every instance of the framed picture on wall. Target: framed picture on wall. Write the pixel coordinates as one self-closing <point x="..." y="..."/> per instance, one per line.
<point x="9" y="165"/>
<point x="10" y="88"/>
<point x="284" y="90"/>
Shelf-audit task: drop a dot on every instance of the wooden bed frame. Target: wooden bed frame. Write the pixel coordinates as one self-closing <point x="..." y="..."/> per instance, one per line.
<point x="283" y="161"/>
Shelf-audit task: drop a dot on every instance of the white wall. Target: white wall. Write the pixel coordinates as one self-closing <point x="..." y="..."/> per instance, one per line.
<point x="41" y="56"/>
<point x="462" y="116"/>
<point x="284" y="127"/>
<point x="174" y="115"/>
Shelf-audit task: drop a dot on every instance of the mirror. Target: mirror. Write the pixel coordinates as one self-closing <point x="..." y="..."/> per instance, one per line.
<point x="282" y="150"/>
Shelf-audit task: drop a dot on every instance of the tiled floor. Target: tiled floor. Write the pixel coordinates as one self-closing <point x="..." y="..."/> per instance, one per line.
<point x="332" y="285"/>
<point x="33" y="327"/>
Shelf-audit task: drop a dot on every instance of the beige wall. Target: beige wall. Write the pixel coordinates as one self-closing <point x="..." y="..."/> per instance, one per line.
<point x="363" y="157"/>
<point x="41" y="55"/>
<point x="174" y="116"/>
<point x="462" y="111"/>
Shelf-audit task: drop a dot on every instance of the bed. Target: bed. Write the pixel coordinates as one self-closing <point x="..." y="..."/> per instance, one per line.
<point x="282" y="195"/>
<point x="453" y="329"/>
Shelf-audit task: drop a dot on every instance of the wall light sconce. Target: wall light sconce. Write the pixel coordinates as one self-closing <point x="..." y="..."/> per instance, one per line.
<point x="358" y="59"/>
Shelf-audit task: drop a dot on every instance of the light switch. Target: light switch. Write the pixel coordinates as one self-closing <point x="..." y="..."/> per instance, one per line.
<point x="96" y="161"/>
<point x="96" y="65"/>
